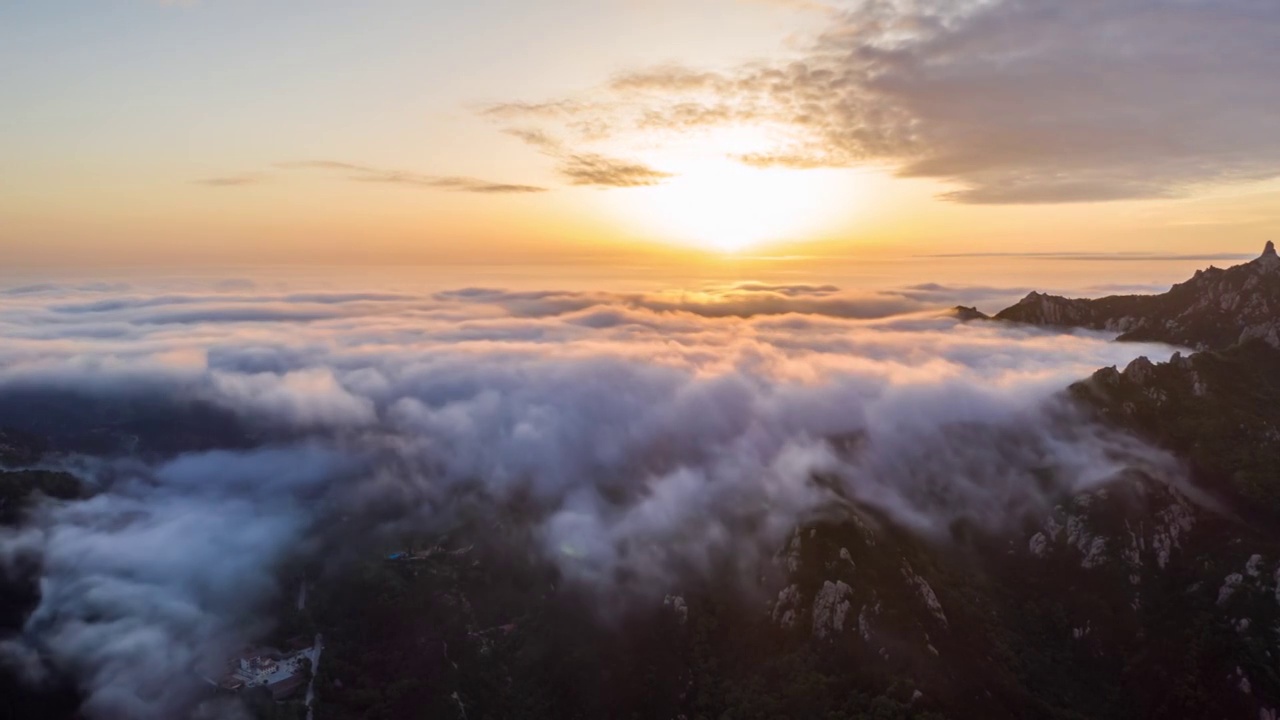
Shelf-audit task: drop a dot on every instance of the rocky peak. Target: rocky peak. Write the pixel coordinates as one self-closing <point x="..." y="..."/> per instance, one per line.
<point x="1216" y="309"/>
<point x="1140" y="370"/>
<point x="967" y="314"/>
<point x="1043" y="309"/>
<point x="1268" y="259"/>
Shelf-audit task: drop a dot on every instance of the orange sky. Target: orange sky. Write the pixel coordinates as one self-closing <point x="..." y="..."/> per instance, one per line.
<point x="225" y="132"/>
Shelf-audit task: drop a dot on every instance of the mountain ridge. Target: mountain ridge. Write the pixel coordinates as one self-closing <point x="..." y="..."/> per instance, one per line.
<point x="1135" y="598"/>
<point x="1214" y="309"/>
<point x="1140" y="596"/>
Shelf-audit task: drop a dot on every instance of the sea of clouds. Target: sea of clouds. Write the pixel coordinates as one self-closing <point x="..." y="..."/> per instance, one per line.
<point x="646" y="437"/>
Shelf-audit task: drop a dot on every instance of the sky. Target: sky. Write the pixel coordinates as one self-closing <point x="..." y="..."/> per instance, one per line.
<point x="668" y="133"/>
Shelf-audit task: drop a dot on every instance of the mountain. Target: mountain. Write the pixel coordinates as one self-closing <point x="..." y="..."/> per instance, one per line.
<point x="968" y="314"/>
<point x="1133" y="599"/>
<point x="19" y="584"/>
<point x="1213" y="310"/>
<point x="1218" y="410"/>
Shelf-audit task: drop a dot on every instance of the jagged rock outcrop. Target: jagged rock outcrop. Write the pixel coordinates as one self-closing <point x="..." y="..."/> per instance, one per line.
<point x="926" y="593"/>
<point x="830" y="608"/>
<point x="20" y="489"/>
<point x="968" y="314"/>
<point x="1218" y="411"/>
<point x="787" y="607"/>
<point x="1215" y="309"/>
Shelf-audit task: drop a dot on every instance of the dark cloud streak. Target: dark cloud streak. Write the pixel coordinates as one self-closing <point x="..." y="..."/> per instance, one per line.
<point x="591" y="168"/>
<point x="599" y="170"/>
<point x="368" y="174"/>
<point x="231" y="180"/>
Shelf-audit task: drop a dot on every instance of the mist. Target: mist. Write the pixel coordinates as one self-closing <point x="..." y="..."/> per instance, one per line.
<point x="654" y="438"/>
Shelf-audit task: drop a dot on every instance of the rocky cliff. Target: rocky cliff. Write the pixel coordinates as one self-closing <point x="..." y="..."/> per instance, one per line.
<point x="1215" y="309"/>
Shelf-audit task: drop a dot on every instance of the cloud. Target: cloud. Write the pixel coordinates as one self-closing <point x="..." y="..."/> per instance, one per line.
<point x="646" y="438"/>
<point x="594" y="169"/>
<point x="146" y="586"/>
<point x="747" y="300"/>
<point x="30" y="289"/>
<point x="310" y="396"/>
<point x="232" y="180"/>
<point x="365" y="173"/>
<point x="591" y="168"/>
<point x="536" y="138"/>
<point x="1014" y="101"/>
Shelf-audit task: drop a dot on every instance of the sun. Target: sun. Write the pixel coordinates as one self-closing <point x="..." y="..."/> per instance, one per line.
<point x="722" y="205"/>
<point x="713" y="201"/>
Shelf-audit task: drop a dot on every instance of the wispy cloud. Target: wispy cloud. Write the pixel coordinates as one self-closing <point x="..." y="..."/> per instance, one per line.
<point x="368" y="174"/>
<point x="536" y="138"/>
<point x="232" y="180"/>
<point x="1034" y="101"/>
<point x="590" y="168"/>
<point x="593" y="169"/>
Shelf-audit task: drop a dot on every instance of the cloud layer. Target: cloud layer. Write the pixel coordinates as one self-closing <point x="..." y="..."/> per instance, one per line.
<point x="647" y="438"/>
<point x="1015" y="101"/>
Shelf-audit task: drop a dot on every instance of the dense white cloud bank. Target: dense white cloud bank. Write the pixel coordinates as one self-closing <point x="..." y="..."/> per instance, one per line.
<point x="653" y="437"/>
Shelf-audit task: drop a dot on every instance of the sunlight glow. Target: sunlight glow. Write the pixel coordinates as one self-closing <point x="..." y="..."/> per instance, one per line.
<point x="715" y="202"/>
<point x="725" y="206"/>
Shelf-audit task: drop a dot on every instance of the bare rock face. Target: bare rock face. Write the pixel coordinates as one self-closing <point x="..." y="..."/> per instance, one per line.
<point x="1041" y="309"/>
<point x="926" y="593"/>
<point x="830" y="608"/>
<point x="785" y="610"/>
<point x="1215" y="309"/>
<point x="1139" y="371"/>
